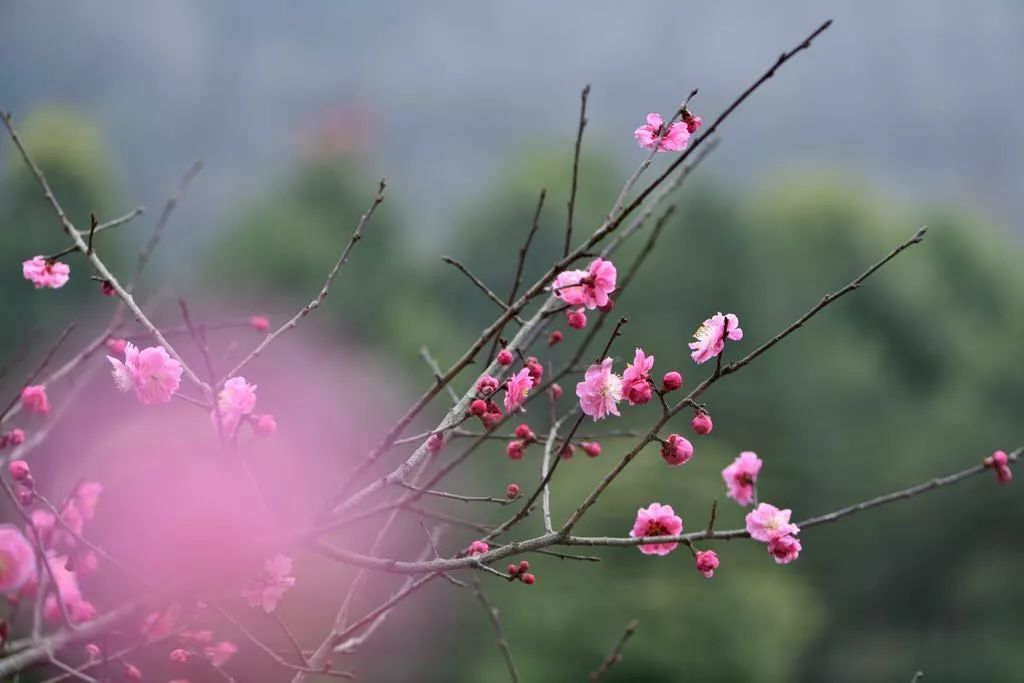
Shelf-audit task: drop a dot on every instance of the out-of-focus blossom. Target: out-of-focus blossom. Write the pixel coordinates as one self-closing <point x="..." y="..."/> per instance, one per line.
<point x="43" y="273"/>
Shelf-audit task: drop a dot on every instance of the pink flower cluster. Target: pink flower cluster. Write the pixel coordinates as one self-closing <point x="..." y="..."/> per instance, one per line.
<point x="588" y="288"/>
<point x="768" y="524"/>
<point x="636" y="379"/>
<point x="234" y="403"/>
<point x="656" y="520"/>
<point x="712" y="334"/>
<point x="151" y="373"/>
<point x="43" y="273"/>
<point x="1000" y="462"/>
<point x="268" y="590"/>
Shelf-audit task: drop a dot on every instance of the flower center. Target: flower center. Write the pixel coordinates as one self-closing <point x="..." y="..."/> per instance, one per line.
<point x="656" y="529"/>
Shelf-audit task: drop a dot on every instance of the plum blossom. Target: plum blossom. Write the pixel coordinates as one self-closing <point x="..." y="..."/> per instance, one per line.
<point x="767" y="523"/>
<point x="676" y="450"/>
<point x="234" y="402"/>
<point x="517" y="388"/>
<point x="220" y="653"/>
<point x="741" y="476"/>
<point x="33" y="399"/>
<point x="268" y="590"/>
<point x="784" y="549"/>
<point x="702" y="423"/>
<point x="656" y="520"/>
<point x="711" y="336"/>
<point x="600" y="391"/>
<point x="636" y="385"/>
<point x="264" y="425"/>
<point x="43" y="273"/>
<point x="79" y="609"/>
<point x="116" y="345"/>
<point x="17" y="559"/>
<point x="478" y="548"/>
<point x="588" y="288"/>
<point x="577" y="318"/>
<point x="693" y="123"/>
<point x="1000" y="462"/>
<point x="675" y="138"/>
<point x="151" y="373"/>
<point x="707" y="562"/>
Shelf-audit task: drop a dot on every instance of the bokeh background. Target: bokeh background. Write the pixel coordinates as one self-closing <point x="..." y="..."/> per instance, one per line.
<point x="903" y="114"/>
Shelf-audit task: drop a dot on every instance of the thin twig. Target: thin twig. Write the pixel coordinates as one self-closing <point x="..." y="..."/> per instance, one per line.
<point x="482" y="287"/>
<point x="575" y="169"/>
<point x="315" y="303"/>
<point x="492" y="614"/>
<point x="615" y="656"/>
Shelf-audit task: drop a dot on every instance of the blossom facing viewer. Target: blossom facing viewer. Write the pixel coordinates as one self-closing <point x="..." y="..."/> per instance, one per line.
<point x="636" y="385"/>
<point x="33" y="399"/>
<point x="151" y="373"/>
<point x="43" y="273"/>
<point x="711" y="335"/>
<point x="517" y="388"/>
<point x="17" y="559"/>
<point x="741" y="477"/>
<point x="675" y="138"/>
<point x="656" y="520"/>
<point x="707" y="562"/>
<point x="588" y="288"/>
<point x="267" y="591"/>
<point x="768" y="523"/>
<point x="600" y="391"/>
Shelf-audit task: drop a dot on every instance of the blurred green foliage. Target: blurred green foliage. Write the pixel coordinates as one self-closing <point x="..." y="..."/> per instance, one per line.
<point x="915" y="375"/>
<point x="75" y="159"/>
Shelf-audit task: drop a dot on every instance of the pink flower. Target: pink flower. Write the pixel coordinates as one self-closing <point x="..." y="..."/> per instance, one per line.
<point x="44" y="274"/>
<point x="93" y="650"/>
<point x="711" y="336"/>
<point x="259" y="323"/>
<point x="707" y="562"/>
<point x="132" y="673"/>
<point x="556" y="391"/>
<point x="676" y="450"/>
<point x="535" y="368"/>
<point x="517" y="388"/>
<point x="600" y="391"/>
<point x="79" y="609"/>
<point x="702" y="423"/>
<point x="17" y="559"/>
<point x="589" y="288"/>
<point x="767" y="522"/>
<point x="152" y="373"/>
<point x="1001" y="464"/>
<point x="577" y="318"/>
<point x="693" y="123"/>
<point x="636" y="386"/>
<point x="591" y="448"/>
<point x="435" y="442"/>
<point x="674" y="140"/>
<point x="784" y="549"/>
<point x="264" y="425"/>
<point x="478" y="548"/>
<point x="116" y="345"/>
<point x="741" y="476"/>
<point x="33" y="399"/>
<point x="220" y="653"/>
<point x="235" y="401"/>
<point x="656" y="520"/>
<point x="270" y="588"/>
<point x="15" y="437"/>
<point x="178" y="655"/>
<point x="504" y="357"/>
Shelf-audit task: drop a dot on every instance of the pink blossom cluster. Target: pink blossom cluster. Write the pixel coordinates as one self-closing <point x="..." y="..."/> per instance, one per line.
<point x="769" y="524"/>
<point x="521" y="572"/>
<point x="1000" y="462"/>
<point x="587" y="288"/>
<point x="235" y="403"/>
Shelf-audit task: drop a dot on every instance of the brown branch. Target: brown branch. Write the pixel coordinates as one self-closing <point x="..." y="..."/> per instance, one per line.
<point x="575" y="169"/>
<point x="482" y="287"/>
<point x="315" y="303"/>
<point x="615" y="656"/>
<point x="492" y="614"/>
